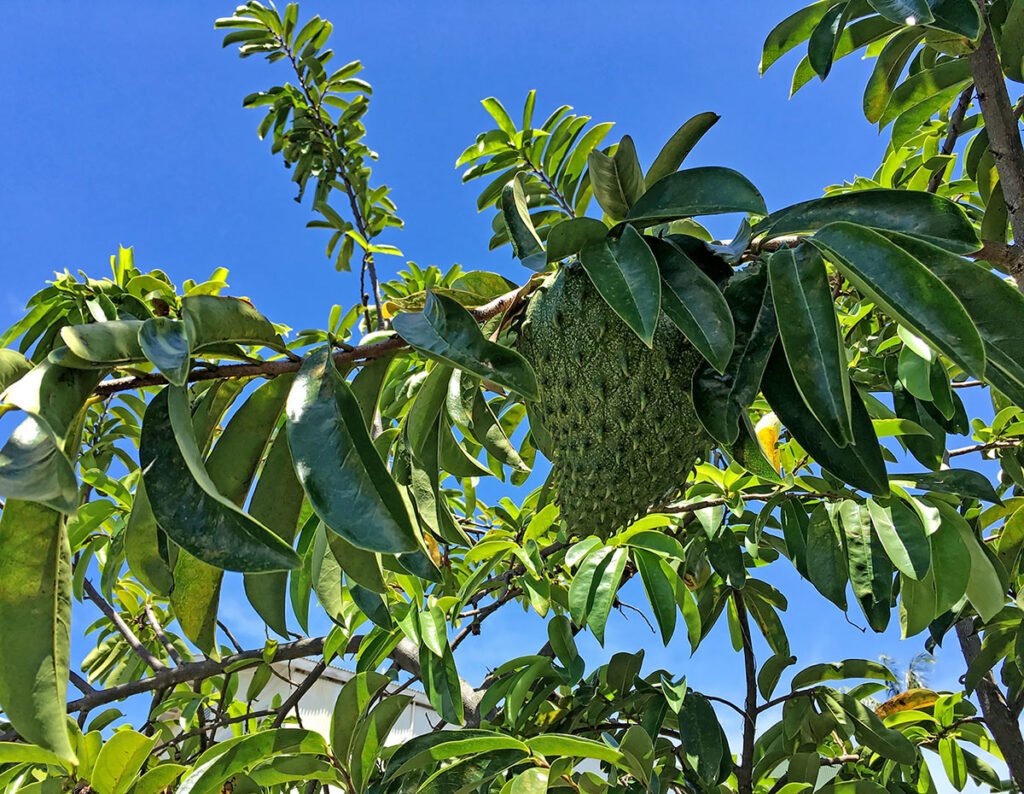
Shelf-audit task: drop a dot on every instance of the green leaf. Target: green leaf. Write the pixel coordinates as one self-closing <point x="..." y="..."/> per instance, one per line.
<point x="493" y="106"/>
<point x="33" y="468"/>
<point x="446" y="332"/>
<point x="214" y="320"/>
<point x="659" y="589"/>
<point x="985" y="589"/>
<point x="918" y="214"/>
<point x="54" y="394"/>
<point x="824" y="39"/>
<point x="187" y="504"/>
<point x="21" y="753"/>
<point x="617" y="180"/>
<point x="114" y="342"/>
<point x="906" y="290"/>
<point x="165" y="343"/>
<point x="1012" y="42"/>
<point x="276" y="503"/>
<point x="923" y="84"/>
<point x="344" y="478"/>
<point x="902" y="536"/>
<point x="953" y="762"/>
<point x="701" y="737"/>
<point x="793" y="30"/>
<point x="960" y="482"/>
<point x="594" y="586"/>
<point x="809" y="330"/>
<point x="238" y="755"/>
<point x="118" y="764"/>
<point x="370" y="736"/>
<point x="887" y="742"/>
<point x="625" y="273"/>
<point x="709" y="190"/>
<point x="887" y="71"/>
<point x="942" y="587"/>
<point x="826" y="561"/>
<point x="680" y="145"/>
<point x="13" y="366"/>
<point x="995" y="307"/>
<point x="353" y="701"/>
<point x="871" y="572"/>
<point x="860" y="464"/>
<point x="770" y="672"/>
<point x="841" y="671"/>
<point x="142" y="546"/>
<point x="571" y="236"/>
<point x="565" y="746"/>
<point x="906" y="12"/>
<point x="853" y="787"/>
<point x="694" y="304"/>
<point x="442" y="684"/>
<point x="515" y="213"/>
<point x="35" y="621"/>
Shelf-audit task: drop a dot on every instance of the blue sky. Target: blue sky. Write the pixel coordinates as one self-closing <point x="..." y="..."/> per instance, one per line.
<point x="124" y="126"/>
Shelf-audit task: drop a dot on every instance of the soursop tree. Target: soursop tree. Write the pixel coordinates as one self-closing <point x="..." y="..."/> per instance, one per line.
<point x="704" y="407"/>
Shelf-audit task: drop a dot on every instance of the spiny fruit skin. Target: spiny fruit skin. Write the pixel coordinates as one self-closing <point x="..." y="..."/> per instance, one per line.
<point x="623" y="431"/>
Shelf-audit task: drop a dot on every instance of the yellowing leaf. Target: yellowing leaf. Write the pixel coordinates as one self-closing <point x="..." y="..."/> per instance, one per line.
<point x="767" y="431"/>
<point x="911" y="700"/>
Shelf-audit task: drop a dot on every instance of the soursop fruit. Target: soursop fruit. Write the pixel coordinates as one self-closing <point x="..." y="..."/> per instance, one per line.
<point x="622" y="434"/>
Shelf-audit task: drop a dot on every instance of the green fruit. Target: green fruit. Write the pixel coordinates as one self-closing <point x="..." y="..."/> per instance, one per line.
<point x="622" y="434"/>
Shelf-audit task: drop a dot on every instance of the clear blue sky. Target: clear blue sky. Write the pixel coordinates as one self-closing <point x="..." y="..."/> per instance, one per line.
<point x="124" y="125"/>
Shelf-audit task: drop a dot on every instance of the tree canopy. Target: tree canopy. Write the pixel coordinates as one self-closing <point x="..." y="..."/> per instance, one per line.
<point x="706" y="408"/>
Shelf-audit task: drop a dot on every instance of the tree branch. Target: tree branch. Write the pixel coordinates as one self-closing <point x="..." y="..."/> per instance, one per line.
<point x="161" y="635"/>
<point x="956" y="118"/>
<point x="1004" y="138"/>
<point x="140" y="650"/>
<point x="744" y="771"/>
<point x="270" y="369"/>
<point x="999" y="718"/>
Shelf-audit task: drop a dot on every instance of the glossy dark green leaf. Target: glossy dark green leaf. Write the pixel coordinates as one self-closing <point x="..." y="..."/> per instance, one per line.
<point x="995" y="307"/>
<point x="826" y="560"/>
<point x="719" y="399"/>
<point x="33" y="468"/>
<point x="35" y="619"/>
<point x="186" y="503"/>
<point x="113" y="342"/>
<point x="871" y="572"/>
<point x="660" y="592"/>
<point x="594" y="586"/>
<point x="793" y="30"/>
<point x="354" y="699"/>
<point x="701" y="737"/>
<point x="142" y="546"/>
<point x="770" y="673"/>
<point x="695" y="304"/>
<point x="446" y="332"/>
<point x="709" y="190"/>
<point x="165" y="343"/>
<point x="809" y="330"/>
<point x="960" y="482"/>
<point x="617" y="180"/>
<point x="442" y="684"/>
<point x="571" y="236"/>
<point x="215" y="320"/>
<point x="515" y="213"/>
<point x="1012" y="41"/>
<point x="680" y="145"/>
<point x="907" y="12"/>
<point x="958" y="16"/>
<point x="344" y="478"/>
<point x="371" y="735"/>
<point x="860" y="464"/>
<point x="903" y="537"/>
<point x="918" y="214"/>
<point x="852" y="38"/>
<point x="905" y="289"/>
<point x="821" y="45"/>
<point x="626" y="275"/>
<point x="276" y="503"/>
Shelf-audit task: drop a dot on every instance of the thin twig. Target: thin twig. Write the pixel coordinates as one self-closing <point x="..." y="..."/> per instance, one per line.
<point x="307" y="683"/>
<point x="956" y="118"/>
<point x="140" y="650"/>
<point x="161" y="635"/>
